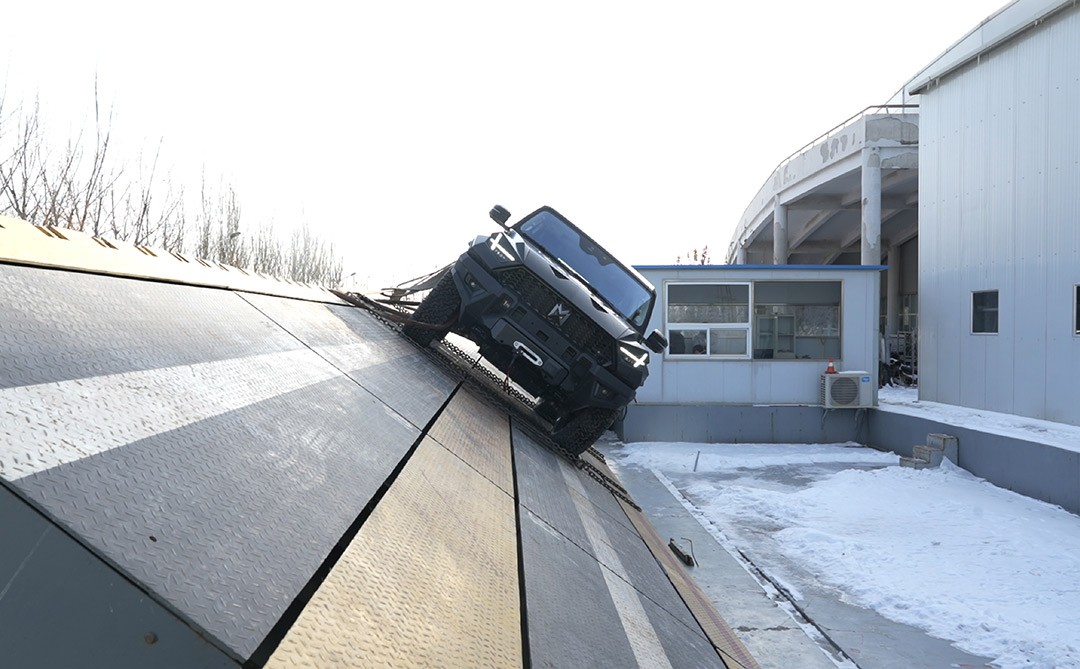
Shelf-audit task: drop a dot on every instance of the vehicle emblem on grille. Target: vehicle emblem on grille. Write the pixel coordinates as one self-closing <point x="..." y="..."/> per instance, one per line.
<point x="558" y="314"/>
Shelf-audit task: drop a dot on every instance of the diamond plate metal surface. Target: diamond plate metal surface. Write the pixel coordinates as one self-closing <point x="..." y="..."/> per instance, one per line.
<point x="565" y="502"/>
<point x="542" y="469"/>
<point x="372" y="355"/>
<point x="65" y="325"/>
<point x="224" y="511"/>
<point x="61" y="606"/>
<point x="543" y="489"/>
<point x="227" y="519"/>
<point x="49" y="424"/>
<point x="479" y="434"/>
<point x="410" y="384"/>
<point x="639" y="566"/>
<point x="429" y="581"/>
<point x="684" y="646"/>
<point x="731" y="649"/>
<point x="321" y="327"/>
<point x="572" y="619"/>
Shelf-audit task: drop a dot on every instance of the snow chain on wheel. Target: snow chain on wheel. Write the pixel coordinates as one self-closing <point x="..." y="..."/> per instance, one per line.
<point x="440" y="307"/>
<point x="581" y="430"/>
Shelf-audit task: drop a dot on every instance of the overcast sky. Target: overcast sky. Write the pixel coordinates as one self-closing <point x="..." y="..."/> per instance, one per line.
<point x="392" y="127"/>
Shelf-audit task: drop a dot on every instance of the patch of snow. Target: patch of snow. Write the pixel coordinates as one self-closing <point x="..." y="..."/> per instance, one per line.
<point x="995" y="572"/>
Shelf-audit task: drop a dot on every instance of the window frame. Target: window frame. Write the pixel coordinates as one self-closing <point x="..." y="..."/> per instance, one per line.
<point x="1076" y="310"/>
<point x="996" y="309"/>
<point x="839" y="317"/>
<point x="708" y="327"/>
<point x="748" y="329"/>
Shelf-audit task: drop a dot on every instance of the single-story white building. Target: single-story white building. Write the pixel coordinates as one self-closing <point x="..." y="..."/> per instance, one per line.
<point x="756" y="336"/>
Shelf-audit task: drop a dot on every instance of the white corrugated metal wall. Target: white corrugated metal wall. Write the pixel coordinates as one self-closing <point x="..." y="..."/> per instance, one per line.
<point x="999" y="193"/>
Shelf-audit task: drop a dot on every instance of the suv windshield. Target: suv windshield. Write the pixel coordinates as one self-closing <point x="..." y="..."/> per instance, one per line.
<point x="621" y="289"/>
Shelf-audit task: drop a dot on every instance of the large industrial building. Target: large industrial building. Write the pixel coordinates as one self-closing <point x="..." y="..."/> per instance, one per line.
<point x="965" y="187"/>
<point x="999" y="159"/>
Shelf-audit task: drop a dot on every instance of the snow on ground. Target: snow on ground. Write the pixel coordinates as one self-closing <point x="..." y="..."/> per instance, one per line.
<point x="993" y="571"/>
<point x="906" y="401"/>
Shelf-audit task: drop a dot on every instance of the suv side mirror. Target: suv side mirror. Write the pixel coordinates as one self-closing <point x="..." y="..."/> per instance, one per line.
<point x="499" y="214"/>
<point x="656" y="341"/>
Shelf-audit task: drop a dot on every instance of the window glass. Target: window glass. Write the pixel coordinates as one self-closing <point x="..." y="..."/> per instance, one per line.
<point x="708" y="303"/>
<point x="797" y="320"/>
<point x="727" y="341"/>
<point x="687" y="342"/>
<point x="984" y="312"/>
<point x="708" y="319"/>
<point x="606" y="275"/>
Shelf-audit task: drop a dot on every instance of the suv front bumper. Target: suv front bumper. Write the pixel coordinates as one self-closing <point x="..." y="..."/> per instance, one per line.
<point x="508" y="330"/>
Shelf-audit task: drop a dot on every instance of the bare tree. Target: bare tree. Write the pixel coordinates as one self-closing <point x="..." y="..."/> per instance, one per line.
<point x="58" y="189"/>
<point x="90" y="204"/>
<point x="267" y="254"/>
<point x="82" y="187"/>
<point x="695" y="257"/>
<point x="20" y="170"/>
<point x="312" y="260"/>
<point x="232" y="248"/>
<point x="204" y="222"/>
<point x="56" y="185"/>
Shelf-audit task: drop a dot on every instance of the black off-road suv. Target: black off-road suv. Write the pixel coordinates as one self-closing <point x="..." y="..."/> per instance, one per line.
<point x="557" y="313"/>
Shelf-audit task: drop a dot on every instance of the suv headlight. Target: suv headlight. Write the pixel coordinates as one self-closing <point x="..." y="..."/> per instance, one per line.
<point x="500" y="246"/>
<point x="636" y="357"/>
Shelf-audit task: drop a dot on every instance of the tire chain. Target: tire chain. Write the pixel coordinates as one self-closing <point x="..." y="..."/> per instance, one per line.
<point x="498" y="392"/>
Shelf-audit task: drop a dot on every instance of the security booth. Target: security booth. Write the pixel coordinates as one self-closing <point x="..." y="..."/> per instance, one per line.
<point x="746" y="337"/>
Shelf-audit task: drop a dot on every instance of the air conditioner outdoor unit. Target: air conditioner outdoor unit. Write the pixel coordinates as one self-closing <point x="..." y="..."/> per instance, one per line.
<point x="847" y="390"/>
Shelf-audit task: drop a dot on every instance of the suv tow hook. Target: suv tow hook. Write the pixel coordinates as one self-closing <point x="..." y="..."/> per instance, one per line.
<point x="527" y="353"/>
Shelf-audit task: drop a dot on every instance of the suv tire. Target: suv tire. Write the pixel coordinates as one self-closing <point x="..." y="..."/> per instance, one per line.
<point x="433" y="318"/>
<point x="579" y="431"/>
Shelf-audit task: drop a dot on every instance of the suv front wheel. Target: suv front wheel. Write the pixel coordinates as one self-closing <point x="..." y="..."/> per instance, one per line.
<point x="577" y="432"/>
<point x="433" y="318"/>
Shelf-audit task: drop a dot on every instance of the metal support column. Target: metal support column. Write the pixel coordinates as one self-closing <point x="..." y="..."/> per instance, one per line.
<point x="780" y="234"/>
<point x="740" y="255"/>
<point x="892" y="291"/>
<point x="871" y="206"/>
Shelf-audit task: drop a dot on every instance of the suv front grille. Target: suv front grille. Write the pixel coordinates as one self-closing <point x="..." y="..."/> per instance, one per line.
<point x="581" y="331"/>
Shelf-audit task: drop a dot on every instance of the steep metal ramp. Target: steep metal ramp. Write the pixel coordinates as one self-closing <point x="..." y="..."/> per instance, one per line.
<point x="197" y="476"/>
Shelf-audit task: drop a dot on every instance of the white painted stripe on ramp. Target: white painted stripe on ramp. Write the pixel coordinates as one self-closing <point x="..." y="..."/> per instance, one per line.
<point x="353" y="357"/>
<point x="648" y="651"/>
<point x="49" y="424"/>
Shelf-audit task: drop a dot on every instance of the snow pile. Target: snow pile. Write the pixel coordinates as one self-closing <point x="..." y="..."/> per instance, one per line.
<point x="995" y="572"/>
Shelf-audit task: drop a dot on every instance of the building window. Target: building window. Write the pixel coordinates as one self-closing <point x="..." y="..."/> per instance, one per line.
<point x="1076" y="310"/>
<point x="765" y="320"/>
<point x="708" y="319"/>
<point x="984" y="312"/>
<point x="797" y="320"/>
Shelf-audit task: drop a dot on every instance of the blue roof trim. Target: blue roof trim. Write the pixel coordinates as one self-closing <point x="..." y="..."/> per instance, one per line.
<point x="845" y="268"/>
